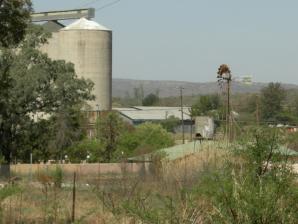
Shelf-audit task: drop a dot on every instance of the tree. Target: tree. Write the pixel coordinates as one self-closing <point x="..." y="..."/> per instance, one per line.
<point x="152" y="137"/>
<point x="66" y="128"/>
<point x="251" y="104"/>
<point x="296" y="106"/>
<point x="150" y="100"/>
<point x="206" y="104"/>
<point x="145" y="138"/>
<point x="272" y="98"/>
<point x="109" y="128"/>
<point x="34" y="139"/>
<point x="170" y="123"/>
<point x="34" y="84"/>
<point x="14" y="18"/>
<point x="86" y="149"/>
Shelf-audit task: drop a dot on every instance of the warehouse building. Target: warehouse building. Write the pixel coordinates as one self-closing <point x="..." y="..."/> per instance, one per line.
<point x="141" y="114"/>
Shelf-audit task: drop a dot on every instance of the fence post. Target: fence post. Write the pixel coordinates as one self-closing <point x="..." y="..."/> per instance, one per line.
<point x="73" y="198"/>
<point x="31" y="161"/>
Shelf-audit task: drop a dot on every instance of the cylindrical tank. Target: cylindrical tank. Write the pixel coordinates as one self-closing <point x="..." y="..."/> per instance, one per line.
<point x="88" y="46"/>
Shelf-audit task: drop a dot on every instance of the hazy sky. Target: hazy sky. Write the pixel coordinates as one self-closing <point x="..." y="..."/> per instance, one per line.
<point x="188" y="39"/>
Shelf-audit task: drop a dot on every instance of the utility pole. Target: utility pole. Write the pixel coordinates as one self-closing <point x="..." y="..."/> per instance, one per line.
<point x="97" y="111"/>
<point x="73" y="198"/>
<point x="257" y="111"/>
<point x="191" y="126"/>
<point x="229" y="121"/>
<point x="182" y="117"/>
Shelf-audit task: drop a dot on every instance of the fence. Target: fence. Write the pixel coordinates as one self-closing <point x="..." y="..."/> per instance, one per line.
<point x="84" y="171"/>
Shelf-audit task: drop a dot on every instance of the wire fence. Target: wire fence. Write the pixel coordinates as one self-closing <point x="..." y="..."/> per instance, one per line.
<point x="85" y="171"/>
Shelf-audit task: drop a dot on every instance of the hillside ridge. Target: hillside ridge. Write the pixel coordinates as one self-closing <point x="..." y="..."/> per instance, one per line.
<point x="168" y="88"/>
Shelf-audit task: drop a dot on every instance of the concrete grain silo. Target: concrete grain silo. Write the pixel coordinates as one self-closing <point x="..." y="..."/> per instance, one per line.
<point x="88" y="46"/>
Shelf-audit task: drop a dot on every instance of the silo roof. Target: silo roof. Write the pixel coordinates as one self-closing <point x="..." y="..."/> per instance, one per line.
<point x="85" y="24"/>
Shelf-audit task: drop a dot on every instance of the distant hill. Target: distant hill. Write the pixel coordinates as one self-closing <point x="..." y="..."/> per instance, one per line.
<point x="124" y="87"/>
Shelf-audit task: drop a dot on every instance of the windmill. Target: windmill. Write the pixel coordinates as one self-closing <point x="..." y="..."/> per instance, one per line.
<point x="224" y="77"/>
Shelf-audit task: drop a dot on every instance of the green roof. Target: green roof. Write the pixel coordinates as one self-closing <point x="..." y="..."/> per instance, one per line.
<point x="180" y="151"/>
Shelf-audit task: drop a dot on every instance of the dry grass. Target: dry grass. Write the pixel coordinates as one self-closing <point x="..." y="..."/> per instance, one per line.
<point x="36" y="204"/>
<point x="188" y="167"/>
<point x="40" y="203"/>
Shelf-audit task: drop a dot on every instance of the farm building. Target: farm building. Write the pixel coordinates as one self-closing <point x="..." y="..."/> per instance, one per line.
<point x="204" y="127"/>
<point x="141" y="114"/>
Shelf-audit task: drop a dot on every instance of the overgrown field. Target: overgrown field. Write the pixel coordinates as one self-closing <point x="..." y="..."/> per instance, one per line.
<point x="242" y="183"/>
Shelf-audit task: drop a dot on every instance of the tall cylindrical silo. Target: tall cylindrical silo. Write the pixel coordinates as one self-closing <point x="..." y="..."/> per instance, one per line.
<point x="88" y="46"/>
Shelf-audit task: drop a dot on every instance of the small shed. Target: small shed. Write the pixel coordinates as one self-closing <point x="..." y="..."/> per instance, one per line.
<point x="204" y="127"/>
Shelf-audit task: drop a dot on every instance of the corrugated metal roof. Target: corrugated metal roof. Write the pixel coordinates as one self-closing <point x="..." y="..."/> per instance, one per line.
<point x="154" y="113"/>
<point x="159" y="108"/>
<point x="85" y="24"/>
<point x="124" y="108"/>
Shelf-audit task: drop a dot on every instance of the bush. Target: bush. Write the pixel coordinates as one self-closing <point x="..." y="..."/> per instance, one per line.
<point x="153" y="137"/>
<point x="145" y="138"/>
<point x="5" y="193"/>
<point x="257" y="185"/>
<point x="88" y="147"/>
<point x="121" y="142"/>
<point x="170" y="123"/>
<point x="292" y="141"/>
<point x="57" y="176"/>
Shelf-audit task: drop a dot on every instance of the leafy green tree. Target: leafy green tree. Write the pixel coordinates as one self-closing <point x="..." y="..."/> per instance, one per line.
<point x="66" y="128"/>
<point x="287" y="117"/>
<point x="170" y="123"/>
<point x="34" y="84"/>
<point x="87" y="149"/>
<point x="272" y="98"/>
<point x="49" y="137"/>
<point x="206" y="104"/>
<point x="152" y="137"/>
<point x="251" y="105"/>
<point x="109" y="128"/>
<point x="116" y="140"/>
<point x="34" y="138"/>
<point x="14" y="18"/>
<point x="295" y="112"/>
<point x="145" y="138"/>
<point x="128" y="144"/>
<point x="150" y="100"/>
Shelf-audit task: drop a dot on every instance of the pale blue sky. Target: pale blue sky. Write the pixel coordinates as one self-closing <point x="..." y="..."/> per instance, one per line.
<point x="188" y="39"/>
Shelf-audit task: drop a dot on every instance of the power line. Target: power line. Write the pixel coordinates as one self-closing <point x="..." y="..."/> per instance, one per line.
<point x="102" y="7"/>
<point x="107" y="5"/>
<point x="182" y="119"/>
<point x="91" y="2"/>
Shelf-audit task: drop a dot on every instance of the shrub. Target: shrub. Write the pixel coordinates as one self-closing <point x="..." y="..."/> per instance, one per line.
<point x="256" y="185"/>
<point x="145" y="138"/>
<point x="57" y="176"/>
<point x="88" y="147"/>
<point x="292" y="141"/>
<point x="154" y="136"/>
